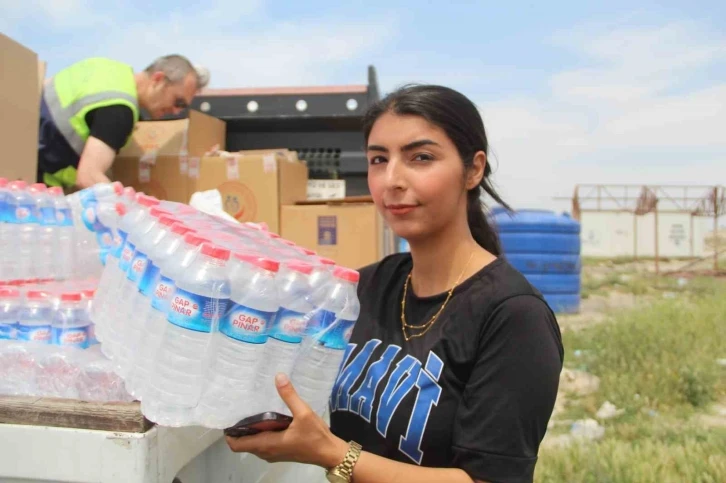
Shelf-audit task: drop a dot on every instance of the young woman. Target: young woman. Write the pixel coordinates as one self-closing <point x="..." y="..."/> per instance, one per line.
<point x="452" y="369"/>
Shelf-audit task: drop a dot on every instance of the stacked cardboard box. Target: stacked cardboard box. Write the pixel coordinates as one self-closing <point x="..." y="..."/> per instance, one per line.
<point x="162" y="158"/>
<point x="349" y="231"/>
<point x="167" y="159"/>
<point x="21" y="79"/>
<point x="255" y="185"/>
<point x="170" y="160"/>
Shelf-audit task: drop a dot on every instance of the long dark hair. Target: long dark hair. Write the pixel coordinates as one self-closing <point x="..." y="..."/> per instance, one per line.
<point x="460" y="119"/>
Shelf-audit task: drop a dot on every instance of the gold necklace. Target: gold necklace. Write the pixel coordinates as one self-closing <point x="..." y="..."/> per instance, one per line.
<point x="425" y="327"/>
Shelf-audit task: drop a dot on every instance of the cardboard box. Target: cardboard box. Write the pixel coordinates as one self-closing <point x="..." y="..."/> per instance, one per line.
<point x="20" y="108"/>
<point x="349" y="231"/>
<point x="254" y="184"/>
<point x="158" y="157"/>
<point x="326" y="189"/>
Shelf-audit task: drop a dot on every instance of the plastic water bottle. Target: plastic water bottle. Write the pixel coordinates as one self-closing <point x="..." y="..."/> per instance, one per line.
<point x="118" y="263"/>
<point x="327" y="335"/>
<point x="47" y="233"/>
<point x="92" y="238"/>
<point x="239" y="345"/>
<point x="173" y="255"/>
<point x="133" y="309"/>
<point x="65" y="252"/>
<point x="200" y="299"/>
<point x="22" y="216"/>
<point x="115" y="323"/>
<point x="109" y="214"/>
<point x="322" y="273"/>
<point x="36" y="318"/>
<point x="81" y="200"/>
<point x="9" y="312"/>
<point x="287" y="331"/>
<point x="129" y="195"/>
<point x="70" y="322"/>
<point x="88" y="296"/>
<point x="113" y="220"/>
<point x="4" y="236"/>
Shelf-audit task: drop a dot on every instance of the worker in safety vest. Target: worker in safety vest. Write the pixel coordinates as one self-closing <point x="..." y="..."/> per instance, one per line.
<point x="88" y="112"/>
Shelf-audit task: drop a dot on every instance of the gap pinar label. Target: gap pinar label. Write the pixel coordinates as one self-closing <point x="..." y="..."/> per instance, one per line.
<point x="195" y="312"/>
<point x="246" y="324"/>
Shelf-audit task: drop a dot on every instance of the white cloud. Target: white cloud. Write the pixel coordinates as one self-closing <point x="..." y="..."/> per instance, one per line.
<point x="256" y="54"/>
<point x="60" y="14"/>
<point x="613" y="121"/>
<point x="236" y="40"/>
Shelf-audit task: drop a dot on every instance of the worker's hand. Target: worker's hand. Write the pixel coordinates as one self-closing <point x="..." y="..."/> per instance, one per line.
<point x="307" y="440"/>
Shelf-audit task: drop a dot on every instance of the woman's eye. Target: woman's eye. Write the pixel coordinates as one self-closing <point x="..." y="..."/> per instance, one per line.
<point x="423" y="157"/>
<point x="377" y="160"/>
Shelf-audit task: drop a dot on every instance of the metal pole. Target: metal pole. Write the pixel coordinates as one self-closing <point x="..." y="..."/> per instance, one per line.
<point x="693" y="235"/>
<point x="715" y="228"/>
<point x="657" y="256"/>
<point x="635" y="236"/>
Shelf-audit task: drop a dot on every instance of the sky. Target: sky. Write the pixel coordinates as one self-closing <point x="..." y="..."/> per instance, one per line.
<point x="571" y="92"/>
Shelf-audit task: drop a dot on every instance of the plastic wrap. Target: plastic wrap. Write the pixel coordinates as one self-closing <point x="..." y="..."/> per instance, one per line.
<point x="199" y="313"/>
<point x="41" y="370"/>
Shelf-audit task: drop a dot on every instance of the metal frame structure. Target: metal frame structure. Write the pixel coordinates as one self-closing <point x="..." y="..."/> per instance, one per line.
<point x="701" y="201"/>
<point x="321" y="123"/>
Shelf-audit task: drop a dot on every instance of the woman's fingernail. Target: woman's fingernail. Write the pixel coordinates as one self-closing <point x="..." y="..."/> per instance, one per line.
<point x="281" y="380"/>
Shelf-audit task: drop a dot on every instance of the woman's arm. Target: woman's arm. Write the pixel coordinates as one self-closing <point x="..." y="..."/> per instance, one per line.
<point x="309" y="440"/>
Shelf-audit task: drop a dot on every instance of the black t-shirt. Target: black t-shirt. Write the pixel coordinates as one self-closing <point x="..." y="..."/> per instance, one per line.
<point x="111" y="124"/>
<point x="475" y="392"/>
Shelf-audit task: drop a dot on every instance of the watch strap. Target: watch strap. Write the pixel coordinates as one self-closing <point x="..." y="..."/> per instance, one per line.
<point x="345" y="469"/>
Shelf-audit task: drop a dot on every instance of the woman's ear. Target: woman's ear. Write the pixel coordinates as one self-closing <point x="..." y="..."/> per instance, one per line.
<point x="476" y="171"/>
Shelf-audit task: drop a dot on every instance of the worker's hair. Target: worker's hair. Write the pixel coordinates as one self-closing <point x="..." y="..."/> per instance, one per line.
<point x="177" y="68"/>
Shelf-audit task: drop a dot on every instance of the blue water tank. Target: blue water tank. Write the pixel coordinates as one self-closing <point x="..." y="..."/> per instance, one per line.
<point x="545" y="247"/>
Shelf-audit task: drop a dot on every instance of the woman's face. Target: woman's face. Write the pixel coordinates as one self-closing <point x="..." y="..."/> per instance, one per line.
<point x="415" y="175"/>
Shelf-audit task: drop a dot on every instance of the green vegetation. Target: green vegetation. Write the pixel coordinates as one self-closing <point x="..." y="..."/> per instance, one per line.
<point x="659" y="364"/>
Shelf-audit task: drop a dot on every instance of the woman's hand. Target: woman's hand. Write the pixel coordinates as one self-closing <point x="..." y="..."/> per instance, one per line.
<point x="307" y="440"/>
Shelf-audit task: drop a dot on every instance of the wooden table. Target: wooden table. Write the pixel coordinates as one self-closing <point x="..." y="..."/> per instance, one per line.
<point x="56" y="440"/>
<point x="70" y="413"/>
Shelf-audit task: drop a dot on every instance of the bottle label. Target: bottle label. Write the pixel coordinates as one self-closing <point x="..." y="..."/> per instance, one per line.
<point x="119" y="243"/>
<point x="195" y="312"/>
<point x="34" y="333"/>
<point x="25" y="213"/>
<point x="320" y="320"/>
<point x="105" y="239"/>
<point x="8" y="332"/>
<point x="162" y="292"/>
<point x="146" y="283"/>
<point x="47" y="216"/>
<point x="64" y="217"/>
<point x="338" y="334"/>
<point x="92" y="335"/>
<point x="71" y="337"/>
<point x="289" y="326"/>
<point x="88" y="209"/>
<point x="137" y="267"/>
<point x="105" y="244"/>
<point x="246" y="324"/>
<point x="127" y="254"/>
<point x="89" y="215"/>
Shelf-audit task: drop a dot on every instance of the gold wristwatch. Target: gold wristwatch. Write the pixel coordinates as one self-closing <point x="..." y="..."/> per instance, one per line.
<point x="343" y="473"/>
